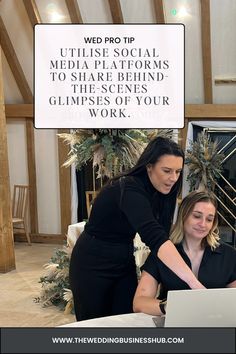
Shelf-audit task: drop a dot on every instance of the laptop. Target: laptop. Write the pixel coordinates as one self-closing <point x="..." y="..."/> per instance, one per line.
<point x="201" y="308"/>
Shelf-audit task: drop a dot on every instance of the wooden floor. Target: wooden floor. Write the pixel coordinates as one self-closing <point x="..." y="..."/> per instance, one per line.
<point x="18" y="289"/>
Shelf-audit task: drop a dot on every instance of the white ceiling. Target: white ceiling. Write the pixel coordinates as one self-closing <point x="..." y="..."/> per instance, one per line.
<point x="223" y="38"/>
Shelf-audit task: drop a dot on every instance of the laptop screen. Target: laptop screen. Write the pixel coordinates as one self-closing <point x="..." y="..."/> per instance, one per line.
<point x="201" y="308"/>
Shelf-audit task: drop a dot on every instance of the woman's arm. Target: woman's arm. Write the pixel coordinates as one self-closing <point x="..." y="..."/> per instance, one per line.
<point x="145" y="296"/>
<point x="231" y="285"/>
<point x="169" y="255"/>
<point x="137" y="208"/>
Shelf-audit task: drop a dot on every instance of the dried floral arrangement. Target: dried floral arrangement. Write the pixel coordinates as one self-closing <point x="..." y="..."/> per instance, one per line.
<point x="55" y="282"/>
<point x="111" y="150"/>
<point x="204" y="162"/>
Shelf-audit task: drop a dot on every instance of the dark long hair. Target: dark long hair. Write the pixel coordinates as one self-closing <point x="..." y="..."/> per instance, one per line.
<point x="164" y="203"/>
<point x="155" y="149"/>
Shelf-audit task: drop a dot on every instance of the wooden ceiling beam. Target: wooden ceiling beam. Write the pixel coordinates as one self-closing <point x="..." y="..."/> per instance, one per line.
<point x="209" y="111"/>
<point x="203" y="111"/>
<point x="32" y="11"/>
<point x="74" y="11"/>
<point x="116" y="11"/>
<point x="159" y="11"/>
<point x="14" y="64"/>
<point x="206" y="50"/>
<point x="19" y="110"/>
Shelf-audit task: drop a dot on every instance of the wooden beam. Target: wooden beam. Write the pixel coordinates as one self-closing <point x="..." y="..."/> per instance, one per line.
<point x="19" y="110"/>
<point x="116" y="11"/>
<point x="65" y="183"/>
<point x="74" y="11"/>
<point x="183" y="134"/>
<point x="42" y="238"/>
<point x="7" y="255"/>
<point x="32" y="176"/>
<point x="228" y="81"/>
<point x="206" y="111"/>
<point x="14" y="64"/>
<point x="206" y="50"/>
<point x="32" y="11"/>
<point x="159" y="11"/>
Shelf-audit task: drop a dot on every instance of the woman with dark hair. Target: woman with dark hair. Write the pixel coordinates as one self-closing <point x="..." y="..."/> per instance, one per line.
<point x="102" y="270"/>
<point x="196" y="237"/>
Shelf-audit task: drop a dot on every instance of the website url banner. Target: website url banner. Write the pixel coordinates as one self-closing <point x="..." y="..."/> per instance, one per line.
<point x="117" y="340"/>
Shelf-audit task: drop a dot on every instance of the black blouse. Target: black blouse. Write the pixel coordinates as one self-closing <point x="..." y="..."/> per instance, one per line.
<point x="116" y="216"/>
<point x="217" y="269"/>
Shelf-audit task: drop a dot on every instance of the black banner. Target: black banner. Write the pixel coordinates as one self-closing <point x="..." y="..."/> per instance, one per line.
<point x="117" y="340"/>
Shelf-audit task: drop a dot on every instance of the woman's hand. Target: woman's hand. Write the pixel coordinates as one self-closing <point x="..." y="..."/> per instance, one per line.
<point x="195" y="284"/>
<point x="169" y="255"/>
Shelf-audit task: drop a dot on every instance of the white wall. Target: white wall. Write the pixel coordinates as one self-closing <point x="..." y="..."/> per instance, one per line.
<point x="223" y="43"/>
<point x="47" y="174"/>
<point x="17" y="153"/>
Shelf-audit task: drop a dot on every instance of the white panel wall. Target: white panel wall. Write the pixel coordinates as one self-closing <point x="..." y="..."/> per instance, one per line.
<point x="46" y="152"/>
<point x="20" y="32"/>
<point x="223" y="42"/>
<point x="188" y="13"/>
<point x="138" y="11"/>
<point x="96" y="11"/>
<point x="11" y="92"/>
<point x="53" y="11"/>
<point x="17" y="152"/>
<point x="47" y="174"/>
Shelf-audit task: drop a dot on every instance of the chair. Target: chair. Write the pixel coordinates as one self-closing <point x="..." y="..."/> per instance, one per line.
<point x="90" y="196"/>
<point x="19" y="210"/>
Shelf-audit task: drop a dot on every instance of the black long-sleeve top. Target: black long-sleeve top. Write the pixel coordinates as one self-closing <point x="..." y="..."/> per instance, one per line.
<point x="116" y="216"/>
<point x="217" y="269"/>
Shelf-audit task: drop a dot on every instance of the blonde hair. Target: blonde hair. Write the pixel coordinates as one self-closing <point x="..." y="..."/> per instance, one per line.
<point x="185" y="209"/>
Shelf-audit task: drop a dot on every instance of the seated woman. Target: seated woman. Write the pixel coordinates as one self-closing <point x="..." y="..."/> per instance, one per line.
<point x="195" y="235"/>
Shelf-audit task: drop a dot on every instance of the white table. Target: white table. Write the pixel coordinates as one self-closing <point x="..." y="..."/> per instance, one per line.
<point x="127" y="320"/>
